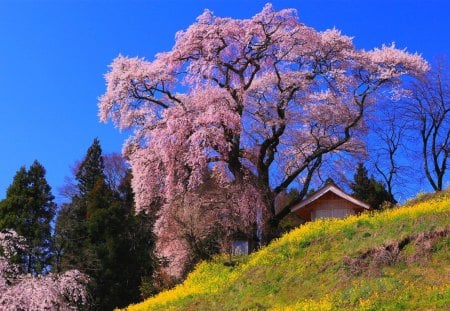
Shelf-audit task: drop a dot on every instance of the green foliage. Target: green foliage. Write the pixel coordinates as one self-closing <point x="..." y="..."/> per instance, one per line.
<point x="369" y="190"/>
<point x="29" y="209"/>
<point x="445" y="243"/>
<point x="91" y="169"/>
<point x="285" y="275"/>
<point x="348" y="232"/>
<point x="70" y="237"/>
<point x="366" y="234"/>
<point x="99" y="234"/>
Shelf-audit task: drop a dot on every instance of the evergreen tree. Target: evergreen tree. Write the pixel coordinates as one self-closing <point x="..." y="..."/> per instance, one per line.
<point x="369" y="190"/>
<point x="71" y="236"/>
<point x="98" y="233"/>
<point x="91" y="168"/>
<point x="29" y="209"/>
<point x="121" y="246"/>
<point x="361" y="182"/>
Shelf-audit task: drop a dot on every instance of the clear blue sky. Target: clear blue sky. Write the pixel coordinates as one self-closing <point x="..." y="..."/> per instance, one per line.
<point x="53" y="55"/>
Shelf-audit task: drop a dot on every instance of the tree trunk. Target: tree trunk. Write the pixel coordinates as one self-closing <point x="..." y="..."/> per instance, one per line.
<point x="270" y="227"/>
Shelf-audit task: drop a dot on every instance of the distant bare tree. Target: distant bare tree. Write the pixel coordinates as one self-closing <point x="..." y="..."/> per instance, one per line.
<point x="70" y="189"/>
<point x="116" y="169"/>
<point x="390" y="132"/>
<point x="430" y="113"/>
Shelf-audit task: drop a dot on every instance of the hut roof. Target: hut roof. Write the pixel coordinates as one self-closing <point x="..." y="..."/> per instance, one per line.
<point x="330" y="187"/>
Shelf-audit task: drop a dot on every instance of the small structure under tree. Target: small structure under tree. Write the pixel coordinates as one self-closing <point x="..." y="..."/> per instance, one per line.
<point x="244" y="243"/>
<point x="329" y="202"/>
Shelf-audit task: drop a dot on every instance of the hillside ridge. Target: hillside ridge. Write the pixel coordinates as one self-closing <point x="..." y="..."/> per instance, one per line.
<point x="396" y="259"/>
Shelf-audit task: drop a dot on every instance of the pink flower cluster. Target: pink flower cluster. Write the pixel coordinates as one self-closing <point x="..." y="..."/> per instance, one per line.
<point x="66" y="291"/>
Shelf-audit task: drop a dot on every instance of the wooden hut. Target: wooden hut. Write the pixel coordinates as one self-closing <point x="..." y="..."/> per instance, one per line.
<point x="329" y="202"/>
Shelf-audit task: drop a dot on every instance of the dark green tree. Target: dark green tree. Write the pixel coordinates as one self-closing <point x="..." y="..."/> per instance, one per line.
<point x="29" y="209"/>
<point x="99" y="234"/>
<point x="121" y="245"/>
<point x="91" y="169"/>
<point x="70" y="237"/>
<point x="361" y="182"/>
<point x="370" y="190"/>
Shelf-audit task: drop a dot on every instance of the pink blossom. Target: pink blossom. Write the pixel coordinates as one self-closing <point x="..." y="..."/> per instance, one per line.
<point x="266" y="98"/>
<point x="36" y="292"/>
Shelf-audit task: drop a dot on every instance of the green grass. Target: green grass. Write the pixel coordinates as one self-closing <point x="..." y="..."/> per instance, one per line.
<point x="313" y="267"/>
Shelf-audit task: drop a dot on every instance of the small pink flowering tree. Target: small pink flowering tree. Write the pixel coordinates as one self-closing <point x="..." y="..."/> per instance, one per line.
<point x="264" y="101"/>
<point x="65" y="291"/>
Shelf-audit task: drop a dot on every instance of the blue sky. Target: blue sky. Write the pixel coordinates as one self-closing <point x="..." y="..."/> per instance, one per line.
<point x="53" y="55"/>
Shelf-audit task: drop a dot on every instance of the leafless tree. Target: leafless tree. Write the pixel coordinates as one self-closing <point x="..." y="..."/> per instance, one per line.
<point x="389" y="131"/>
<point x="115" y="170"/>
<point x="70" y="189"/>
<point x="429" y="112"/>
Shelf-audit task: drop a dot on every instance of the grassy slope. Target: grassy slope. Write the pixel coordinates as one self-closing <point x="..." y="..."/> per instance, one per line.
<point x="309" y="268"/>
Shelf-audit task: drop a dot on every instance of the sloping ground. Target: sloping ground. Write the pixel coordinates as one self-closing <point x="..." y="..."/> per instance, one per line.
<point x="397" y="259"/>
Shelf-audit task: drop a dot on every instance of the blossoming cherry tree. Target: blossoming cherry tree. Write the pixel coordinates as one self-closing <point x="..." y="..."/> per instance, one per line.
<point x="263" y="101"/>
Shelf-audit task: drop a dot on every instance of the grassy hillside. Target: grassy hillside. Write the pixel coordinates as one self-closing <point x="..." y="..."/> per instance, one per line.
<point x="398" y="259"/>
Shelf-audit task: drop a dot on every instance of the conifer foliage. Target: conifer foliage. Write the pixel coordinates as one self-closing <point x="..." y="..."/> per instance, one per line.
<point x="29" y="209"/>
<point x="99" y="234"/>
<point x="91" y="169"/>
<point x="369" y="190"/>
<point x="26" y="249"/>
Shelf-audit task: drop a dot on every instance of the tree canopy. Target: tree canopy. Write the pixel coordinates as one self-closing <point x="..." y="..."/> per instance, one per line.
<point x="98" y="232"/>
<point x="29" y="209"/>
<point x="263" y="101"/>
<point x="369" y="190"/>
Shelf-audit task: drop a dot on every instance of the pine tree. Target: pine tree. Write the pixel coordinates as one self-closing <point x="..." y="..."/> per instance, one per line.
<point x="121" y="245"/>
<point x="99" y="234"/>
<point x="91" y="169"/>
<point x="361" y="182"/>
<point x="370" y="190"/>
<point x="29" y="209"/>
<point x="71" y="236"/>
